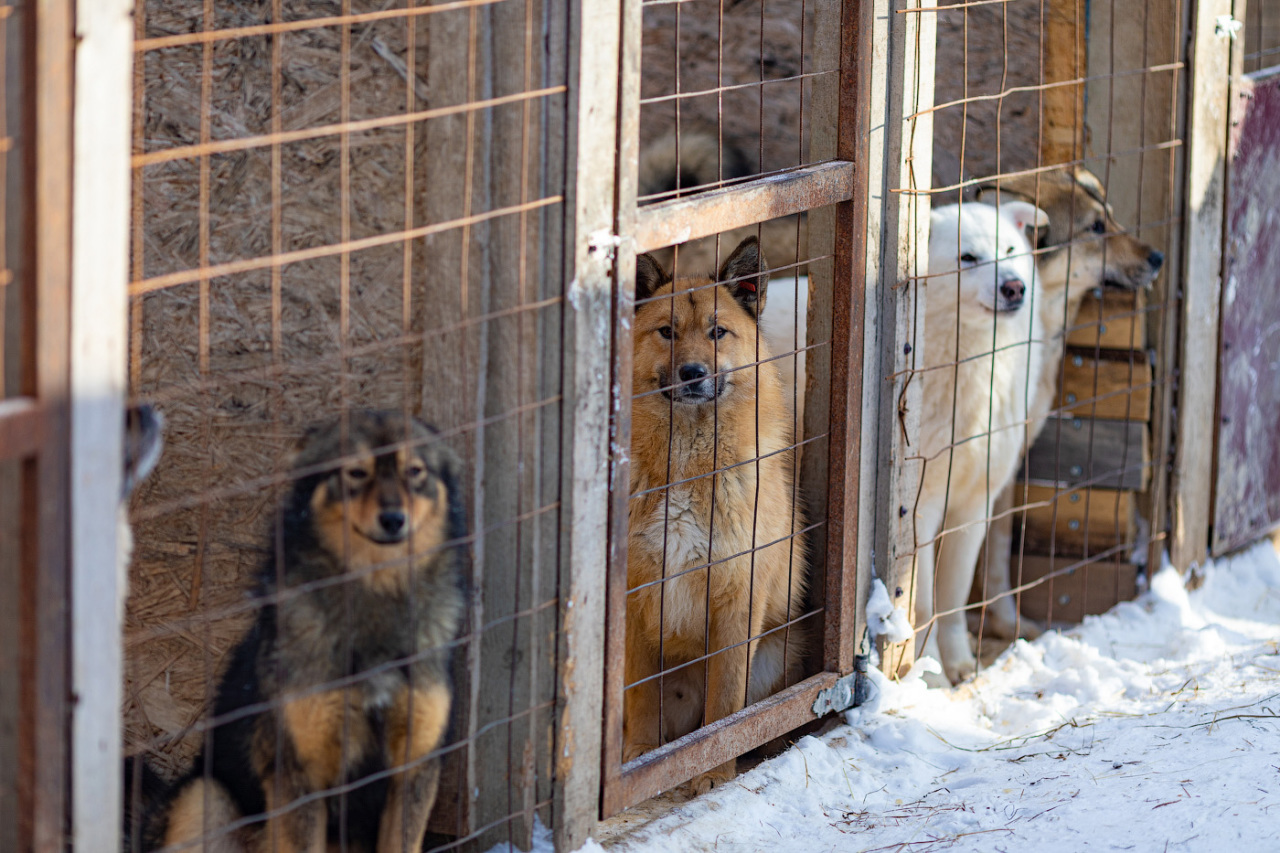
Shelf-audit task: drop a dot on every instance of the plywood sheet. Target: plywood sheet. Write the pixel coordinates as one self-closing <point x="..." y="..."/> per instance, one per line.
<point x="1247" y="493"/>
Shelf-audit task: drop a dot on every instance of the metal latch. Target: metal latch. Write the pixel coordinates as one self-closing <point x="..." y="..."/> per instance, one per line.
<point x="848" y="692"/>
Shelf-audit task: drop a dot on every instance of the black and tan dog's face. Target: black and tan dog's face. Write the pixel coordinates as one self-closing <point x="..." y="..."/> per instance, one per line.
<point x="390" y="497"/>
<point x="689" y="344"/>
<point x="1102" y="252"/>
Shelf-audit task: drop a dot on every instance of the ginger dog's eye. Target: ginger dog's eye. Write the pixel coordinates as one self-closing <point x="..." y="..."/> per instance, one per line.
<point x="666" y="332"/>
<point x="717" y="333"/>
<point x="969" y="258"/>
<point x="1099" y="227"/>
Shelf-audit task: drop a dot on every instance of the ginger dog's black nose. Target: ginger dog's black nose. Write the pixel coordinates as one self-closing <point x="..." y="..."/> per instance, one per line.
<point x="692" y="372"/>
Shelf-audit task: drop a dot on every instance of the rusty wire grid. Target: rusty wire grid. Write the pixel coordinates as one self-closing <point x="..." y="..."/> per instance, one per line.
<point x="1026" y="94"/>
<point x="723" y="112"/>
<point x="337" y="206"/>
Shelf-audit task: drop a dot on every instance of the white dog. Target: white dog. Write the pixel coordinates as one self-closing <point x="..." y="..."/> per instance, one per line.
<point x="982" y="352"/>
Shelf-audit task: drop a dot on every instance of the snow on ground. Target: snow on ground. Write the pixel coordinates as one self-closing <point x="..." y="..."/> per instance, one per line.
<point x="1153" y="727"/>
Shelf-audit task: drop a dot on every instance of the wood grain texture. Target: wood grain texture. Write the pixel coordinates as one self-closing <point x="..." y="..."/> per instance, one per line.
<point x="594" y="53"/>
<point x="1247" y="489"/>
<point x="1076" y="451"/>
<point x="99" y="356"/>
<point x="1191" y="480"/>
<point x="1111" y="388"/>
<point x="1076" y="593"/>
<point x="1113" y="321"/>
<point x="1074" y="521"/>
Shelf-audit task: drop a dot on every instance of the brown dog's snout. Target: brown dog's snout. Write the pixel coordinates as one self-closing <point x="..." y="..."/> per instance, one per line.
<point x="692" y="372"/>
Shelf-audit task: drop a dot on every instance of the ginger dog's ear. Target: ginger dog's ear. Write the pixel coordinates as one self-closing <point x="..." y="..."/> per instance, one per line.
<point x="746" y="274"/>
<point x="649" y="276"/>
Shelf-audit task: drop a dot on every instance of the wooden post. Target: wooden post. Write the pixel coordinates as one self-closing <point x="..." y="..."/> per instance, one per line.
<point x="44" y="721"/>
<point x="1191" y="479"/>
<point x="1131" y="117"/>
<point x="595" y="55"/>
<point x="99" y="332"/>
<point x="1062" y="128"/>
<point x="903" y="256"/>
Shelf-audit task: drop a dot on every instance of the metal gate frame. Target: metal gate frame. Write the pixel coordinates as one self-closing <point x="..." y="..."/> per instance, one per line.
<point x="849" y="154"/>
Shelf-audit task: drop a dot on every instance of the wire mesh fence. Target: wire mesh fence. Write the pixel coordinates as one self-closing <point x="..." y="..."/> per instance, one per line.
<point x="338" y="208"/>
<point x="1043" y="333"/>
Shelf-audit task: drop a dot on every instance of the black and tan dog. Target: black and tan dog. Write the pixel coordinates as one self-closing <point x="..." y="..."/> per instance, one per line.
<point x="345" y="674"/>
<point x="713" y="512"/>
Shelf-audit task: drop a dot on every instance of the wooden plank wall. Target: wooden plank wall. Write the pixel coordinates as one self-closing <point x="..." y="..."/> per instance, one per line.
<point x="479" y="280"/>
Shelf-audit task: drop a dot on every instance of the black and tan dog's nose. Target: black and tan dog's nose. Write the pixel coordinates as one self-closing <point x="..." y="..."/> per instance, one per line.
<point x="392" y="521"/>
<point x="1013" y="290"/>
<point x="692" y="372"/>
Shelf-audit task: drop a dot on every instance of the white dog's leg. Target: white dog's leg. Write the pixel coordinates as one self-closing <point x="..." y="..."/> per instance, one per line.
<point x="928" y="522"/>
<point x="957" y="557"/>
<point x="1001" y="619"/>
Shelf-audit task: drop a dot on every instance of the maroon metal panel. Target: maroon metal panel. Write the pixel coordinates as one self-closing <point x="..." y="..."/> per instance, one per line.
<point x="1247" y="493"/>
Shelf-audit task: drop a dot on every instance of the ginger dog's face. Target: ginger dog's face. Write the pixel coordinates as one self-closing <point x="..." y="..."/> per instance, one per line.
<point x="389" y="498"/>
<point x="692" y="335"/>
<point x="1095" y="249"/>
<point x="988" y="249"/>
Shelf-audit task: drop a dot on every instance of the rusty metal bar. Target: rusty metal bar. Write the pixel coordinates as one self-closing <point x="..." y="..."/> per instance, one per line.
<point x="680" y="220"/>
<point x="21" y="428"/>
<point x="842" y="583"/>
<point x="713" y="744"/>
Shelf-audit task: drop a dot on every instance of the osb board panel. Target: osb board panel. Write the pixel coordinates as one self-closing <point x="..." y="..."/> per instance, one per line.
<point x="1110" y="320"/>
<point x="1113" y="388"/>
<point x="1085" y="591"/>
<point x="1247" y="495"/>
<point x="1076" y="521"/>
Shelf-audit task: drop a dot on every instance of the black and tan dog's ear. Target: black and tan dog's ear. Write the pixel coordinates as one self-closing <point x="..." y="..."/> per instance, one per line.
<point x="143" y="442"/>
<point x="649" y="276"/>
<point x="746" y="274"/>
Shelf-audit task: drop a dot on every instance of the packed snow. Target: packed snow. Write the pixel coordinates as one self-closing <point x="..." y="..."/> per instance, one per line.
<point x="1153" y="727"/>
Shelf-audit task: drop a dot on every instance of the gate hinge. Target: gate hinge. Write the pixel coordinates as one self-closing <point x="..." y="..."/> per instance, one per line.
<point x="848" y="692"/>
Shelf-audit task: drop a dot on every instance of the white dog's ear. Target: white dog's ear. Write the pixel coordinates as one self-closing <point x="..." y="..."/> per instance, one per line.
<point x="1026" y="216"/>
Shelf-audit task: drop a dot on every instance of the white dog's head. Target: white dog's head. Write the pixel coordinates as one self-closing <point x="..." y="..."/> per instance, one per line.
<point x="989" y="250"/>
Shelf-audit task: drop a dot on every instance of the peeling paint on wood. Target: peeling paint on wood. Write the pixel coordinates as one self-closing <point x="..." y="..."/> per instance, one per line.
<point x="1248" y="482"/>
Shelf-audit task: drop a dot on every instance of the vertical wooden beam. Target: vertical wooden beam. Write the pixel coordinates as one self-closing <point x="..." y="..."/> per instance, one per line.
<point x="1126" y="113"/>
<point x="99" y="330"/>
<point x="1191" y="479"/>
<point x="46" y="669"/>
<point x="904" y="257"/>
<point x="1062" y="119"/>
<point x="595" y="54"/>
